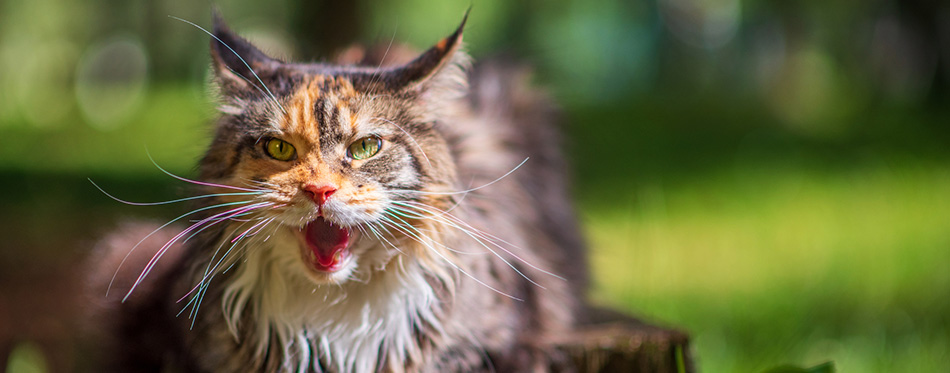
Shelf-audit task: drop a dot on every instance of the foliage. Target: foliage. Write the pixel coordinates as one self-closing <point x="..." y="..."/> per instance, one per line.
<point x="776" y="186"/>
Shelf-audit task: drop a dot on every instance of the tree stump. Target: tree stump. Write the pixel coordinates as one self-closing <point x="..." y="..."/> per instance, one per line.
<point x="611" y="342"/>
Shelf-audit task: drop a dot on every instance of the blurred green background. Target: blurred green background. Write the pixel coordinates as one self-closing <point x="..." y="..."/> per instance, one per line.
<point x="771" y="176"/>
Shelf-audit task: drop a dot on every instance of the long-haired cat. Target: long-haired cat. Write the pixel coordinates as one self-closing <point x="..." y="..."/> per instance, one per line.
<point x="376" y="216"/>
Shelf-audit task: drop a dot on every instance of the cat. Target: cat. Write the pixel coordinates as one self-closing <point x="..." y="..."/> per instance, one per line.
<point x="396" y="214"/>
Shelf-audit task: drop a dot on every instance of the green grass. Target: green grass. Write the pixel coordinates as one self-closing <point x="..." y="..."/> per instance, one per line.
<point x="768" y="248"/>
<point x="795" y="265"/>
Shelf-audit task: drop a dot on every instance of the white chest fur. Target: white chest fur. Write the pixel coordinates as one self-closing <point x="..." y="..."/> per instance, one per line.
<point x="350" y="326"/>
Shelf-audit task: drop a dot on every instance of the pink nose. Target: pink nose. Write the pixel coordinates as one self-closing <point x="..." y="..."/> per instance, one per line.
<point x="319" y="193"/>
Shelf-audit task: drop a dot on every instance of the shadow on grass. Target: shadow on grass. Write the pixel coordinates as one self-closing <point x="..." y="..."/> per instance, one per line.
<point x="683" y="139"/>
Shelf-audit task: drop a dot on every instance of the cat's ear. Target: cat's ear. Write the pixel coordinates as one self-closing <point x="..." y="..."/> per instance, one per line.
<point x="238" y="64"/>
<point x="440" y="67"/>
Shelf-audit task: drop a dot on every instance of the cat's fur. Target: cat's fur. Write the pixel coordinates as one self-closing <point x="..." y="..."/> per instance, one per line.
<point x="481" y="271"/>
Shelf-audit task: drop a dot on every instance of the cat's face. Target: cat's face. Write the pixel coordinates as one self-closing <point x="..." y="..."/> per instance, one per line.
<point x="332" y="154"/>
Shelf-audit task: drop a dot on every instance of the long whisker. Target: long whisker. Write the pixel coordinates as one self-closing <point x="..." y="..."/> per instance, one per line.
<point x="207" y="269"/>
<point x="229" y="217"/>
<point x="379" y="66"/>
<point x="124" y="259"/>
<point x="264" y="184"/>
<point x="198" y="182"/>
<point x="468" y="190"/>
<point x="213" y="221"/>
<point x="204" y="276"/>
<point x="387" y="222"/>
<point x="170" y="201"/>
<point x="248" y="231"/>
<point x="257" y="232"/>
<point x="252" y="84"/>
<point x="239" y="57"/>
<point x="479" y="241"/>
<point x="440" y="244"/>
<point x="205" y="281"/>
<point x="470" y="230"/>
<point x="383" y="239"/>
<point x="256" y="228"/>
<point x="434" y="250"/>
<point x="161" y="252"/>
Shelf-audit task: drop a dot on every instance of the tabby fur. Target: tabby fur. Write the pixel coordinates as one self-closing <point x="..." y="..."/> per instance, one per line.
<point x="484" y="263"/>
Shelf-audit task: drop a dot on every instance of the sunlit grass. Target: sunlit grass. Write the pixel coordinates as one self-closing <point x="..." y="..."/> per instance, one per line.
<point x="763" y="260"/>
<point x="793" y="265"/>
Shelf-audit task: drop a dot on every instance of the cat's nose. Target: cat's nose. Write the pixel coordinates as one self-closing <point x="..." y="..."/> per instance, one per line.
<point x="319" y="193"/>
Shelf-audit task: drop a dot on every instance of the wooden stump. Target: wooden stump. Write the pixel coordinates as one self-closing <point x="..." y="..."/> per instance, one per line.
<point x="611" y="342"/>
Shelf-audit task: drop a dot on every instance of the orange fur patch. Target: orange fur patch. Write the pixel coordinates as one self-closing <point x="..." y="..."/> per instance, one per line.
<point x="299" y="119"/>
<point x="301" y="129"/>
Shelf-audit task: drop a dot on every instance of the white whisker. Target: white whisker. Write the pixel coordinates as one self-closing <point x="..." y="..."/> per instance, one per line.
<point x="456" y="266"/>
<point x="161" y="252"/>
<point x="376" y="73"/>
<point x="170" y="201"/>
<point x="467" y="190"/>
<point x="124" y="259"/>
<point x="239" y="57"/>
<point x="456" y="222"/>
<point x="479" y="241"/>
<point x="196" y="182"/>
<point x="212" y="270"/>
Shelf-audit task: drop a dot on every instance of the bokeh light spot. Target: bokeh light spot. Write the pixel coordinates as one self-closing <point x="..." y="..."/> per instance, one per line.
<point x="110" y="81"/>
<point x="26" y="358"/>
<point x="43" y="79"/>
<point x="702" y="23"/>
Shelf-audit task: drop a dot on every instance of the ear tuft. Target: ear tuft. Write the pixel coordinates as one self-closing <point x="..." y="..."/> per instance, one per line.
<point x="441" y="66"/>
<point x="435" y="59"/>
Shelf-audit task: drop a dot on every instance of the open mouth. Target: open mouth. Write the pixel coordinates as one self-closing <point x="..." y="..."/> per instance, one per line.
<point x="325" y="245"/>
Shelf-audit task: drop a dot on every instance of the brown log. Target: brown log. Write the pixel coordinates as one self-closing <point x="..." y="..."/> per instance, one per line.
<point x="611" y="342"/>
<point x="622" y="348"/>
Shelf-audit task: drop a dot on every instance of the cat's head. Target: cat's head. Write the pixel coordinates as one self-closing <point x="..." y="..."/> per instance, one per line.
<point x="348" y="159"/>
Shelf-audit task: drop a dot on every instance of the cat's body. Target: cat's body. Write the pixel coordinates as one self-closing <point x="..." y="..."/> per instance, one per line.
<point x="441" y="263"/>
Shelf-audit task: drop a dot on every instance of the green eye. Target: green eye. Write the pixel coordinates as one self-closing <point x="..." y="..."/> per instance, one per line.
<point x="364" y="148"/>
<point x="280" y="150"/>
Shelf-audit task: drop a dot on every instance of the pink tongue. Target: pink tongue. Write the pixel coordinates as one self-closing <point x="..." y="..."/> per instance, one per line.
<point x="326" y="241"/>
